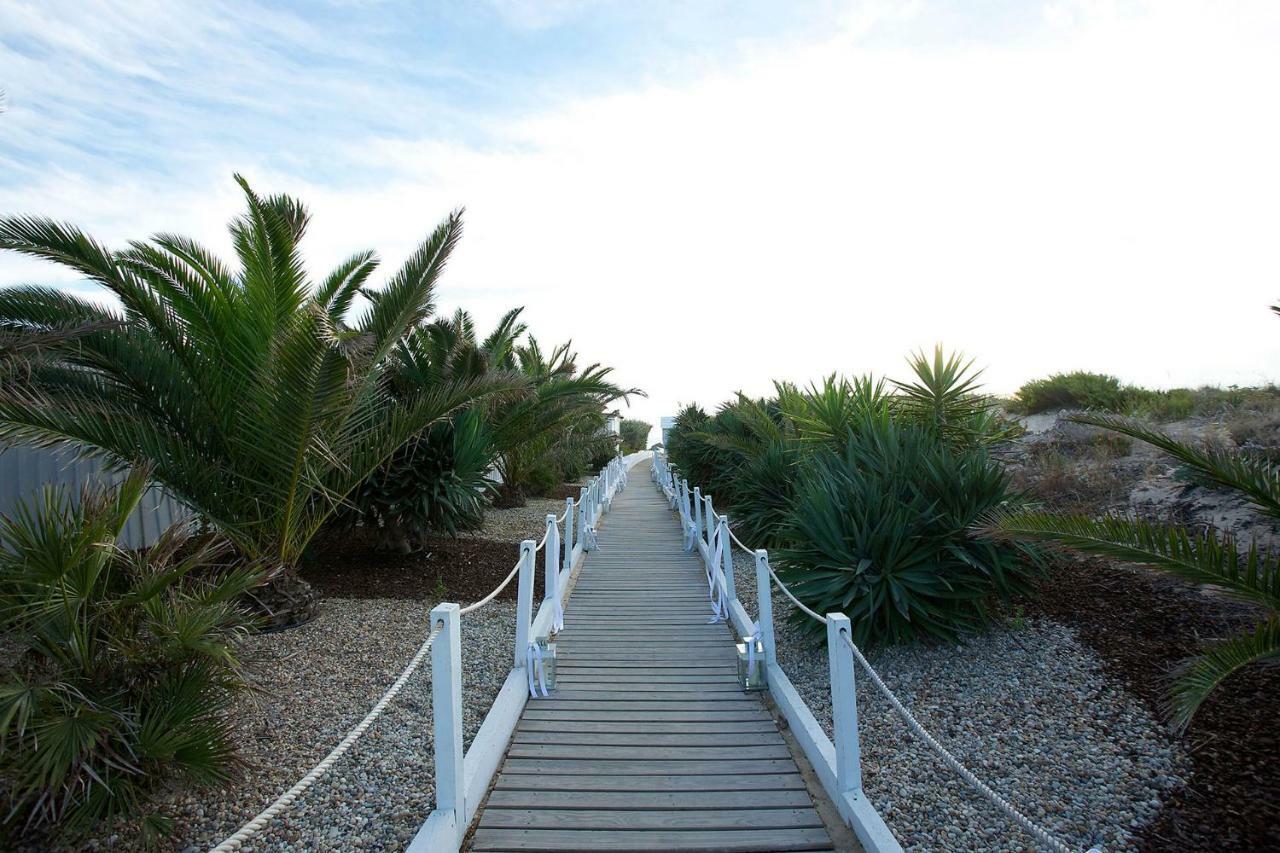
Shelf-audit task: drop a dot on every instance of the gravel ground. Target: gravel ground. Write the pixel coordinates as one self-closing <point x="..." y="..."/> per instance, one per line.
<point x="517" y="523"/>
<point x="1025" y="707"/>
<point x="317" y="682"/>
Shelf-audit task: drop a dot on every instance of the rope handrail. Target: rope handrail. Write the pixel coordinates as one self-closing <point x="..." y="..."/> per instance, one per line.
<point x="951" y="761"/>
<point x="476" y="605"/>
<point x="787" y="592"/>
<point x="237" y="839"/>
<point x="285" y="800"/>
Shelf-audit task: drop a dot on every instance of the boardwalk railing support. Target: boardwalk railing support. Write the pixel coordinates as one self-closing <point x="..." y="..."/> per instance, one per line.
<point x="837" y="764"/>
<point x="447" y="824"/>
<point x="568" y="534"/>
<point x="524" y="601"/>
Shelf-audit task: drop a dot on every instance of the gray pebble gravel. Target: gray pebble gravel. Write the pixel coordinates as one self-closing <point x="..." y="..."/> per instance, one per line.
<point x="1026" y="707"/>
<point x="518" y="523"/>
<point x="316" y="682"/>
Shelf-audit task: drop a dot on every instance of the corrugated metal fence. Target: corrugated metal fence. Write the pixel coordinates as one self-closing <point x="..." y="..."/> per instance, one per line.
<point x="24" y="471"/>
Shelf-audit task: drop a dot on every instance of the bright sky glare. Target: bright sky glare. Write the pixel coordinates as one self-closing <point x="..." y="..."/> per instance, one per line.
<point x="713" y="195"/>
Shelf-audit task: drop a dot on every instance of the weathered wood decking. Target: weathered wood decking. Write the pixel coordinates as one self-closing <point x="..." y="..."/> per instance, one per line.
<point x="649" y="743"/>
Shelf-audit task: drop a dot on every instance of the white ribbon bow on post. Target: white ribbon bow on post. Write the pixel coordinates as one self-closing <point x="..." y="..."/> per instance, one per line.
<point x="713" y="587"/>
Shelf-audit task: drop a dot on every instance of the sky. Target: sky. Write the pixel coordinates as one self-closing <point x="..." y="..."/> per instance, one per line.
<point x="707" y="196"/>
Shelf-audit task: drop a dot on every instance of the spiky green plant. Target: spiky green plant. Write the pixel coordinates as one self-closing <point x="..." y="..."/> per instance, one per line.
<point x="247" y="392"/>
<point x="879" y="530"/>
<point x="1251" y="573"/>
<point x="122" y="662"/>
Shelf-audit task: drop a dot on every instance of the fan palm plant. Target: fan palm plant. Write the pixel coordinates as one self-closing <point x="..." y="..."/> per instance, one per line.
<point x="122" y="661"/>
<point x="247" y="392"/>
<point x="1251" y="573"/>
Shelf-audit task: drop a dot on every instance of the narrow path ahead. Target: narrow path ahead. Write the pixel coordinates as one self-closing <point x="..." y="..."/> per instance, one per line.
<point x="649" y="743"/>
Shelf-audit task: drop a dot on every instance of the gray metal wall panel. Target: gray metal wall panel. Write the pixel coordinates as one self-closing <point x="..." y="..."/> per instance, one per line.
<point x="24" y="471"/>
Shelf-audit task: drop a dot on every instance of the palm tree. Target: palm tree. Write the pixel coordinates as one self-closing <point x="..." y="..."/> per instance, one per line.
<point x="247" y="392"/>
<point x="1208" y="557"/>
<point x="560" y="413"/>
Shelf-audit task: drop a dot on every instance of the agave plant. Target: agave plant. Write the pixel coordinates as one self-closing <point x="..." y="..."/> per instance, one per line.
<point x="122" y="663"/>
<point x="247" y="393"/>
<point x="880" y="530"/>
<point x="1251" y="573"/>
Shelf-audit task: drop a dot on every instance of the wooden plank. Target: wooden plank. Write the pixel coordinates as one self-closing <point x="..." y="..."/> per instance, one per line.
<point x="712" y="726"/>
<point x="582" y="841"/>
<point x="736" y="782"/>
<point x="688" y="697"/>
<point x="676" y="755"/>
<point x="596" y="684"/>
<point x="667" y="819"/>
<point x="648" y="739"/>
<point x="640" y="767"/>
<point x="652" y="714"/>
<point x="506" y="798"/>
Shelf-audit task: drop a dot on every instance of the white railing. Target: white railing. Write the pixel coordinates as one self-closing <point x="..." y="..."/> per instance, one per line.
<point x="838" y="764"/>
<point x="462" y="780"/>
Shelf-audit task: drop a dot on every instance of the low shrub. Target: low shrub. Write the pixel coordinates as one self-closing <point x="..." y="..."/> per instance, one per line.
<point x="125" y="663"/>
<point x="1077" y="390"/>
<point x="881" y="530"/>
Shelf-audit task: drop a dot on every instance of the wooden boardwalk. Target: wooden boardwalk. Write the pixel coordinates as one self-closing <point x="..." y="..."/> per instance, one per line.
<point x="649" y="743"/>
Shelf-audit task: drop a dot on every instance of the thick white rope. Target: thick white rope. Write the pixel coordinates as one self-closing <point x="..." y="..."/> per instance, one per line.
<point x="782" y="586"/>
<point x="491" y="596"/>
<point x="951" y="761"/>
<point x="287" y="799"/>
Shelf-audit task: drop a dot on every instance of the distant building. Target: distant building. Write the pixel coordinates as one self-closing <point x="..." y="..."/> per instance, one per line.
<point x="667" y="423"/>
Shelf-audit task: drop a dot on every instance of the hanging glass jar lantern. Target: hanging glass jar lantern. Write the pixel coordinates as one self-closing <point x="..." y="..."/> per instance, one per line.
<point x="541" y="665"/>
<point x="751" y="665"/>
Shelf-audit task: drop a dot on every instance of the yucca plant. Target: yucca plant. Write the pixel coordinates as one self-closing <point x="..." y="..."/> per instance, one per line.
<point x="1250" y="573"/>
<point x="880" y="530"/>
<point x="248" y="393"/>
<point x="945" y="398"/>
<point x="121" y="664"/>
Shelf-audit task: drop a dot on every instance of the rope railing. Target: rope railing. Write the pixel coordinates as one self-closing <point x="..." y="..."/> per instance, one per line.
<point x="451" y="799"/>
<point x="679" y="494"/>
<point x="951" y="761"/>
<point x="285" y="800"/>
<point x="476" y="605"/>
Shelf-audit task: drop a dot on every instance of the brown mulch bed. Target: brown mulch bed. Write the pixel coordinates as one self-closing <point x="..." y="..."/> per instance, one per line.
<point x="1142" y="624"/>
<point x="447" y="569"/>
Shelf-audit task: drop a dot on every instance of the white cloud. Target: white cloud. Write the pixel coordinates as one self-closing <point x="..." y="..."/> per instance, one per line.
<point x="1098" y="192"/>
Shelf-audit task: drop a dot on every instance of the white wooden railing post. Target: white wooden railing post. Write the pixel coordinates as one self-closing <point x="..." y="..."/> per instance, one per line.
<point x="550" y="585"/>
<point x="697" y="509"/>
<point x="726" y="560"/>
<point x="764" y="602"/>
<point x="582" y="515"/>
<point x="710" y="515"/>
<point x="568" y="533"/>
<point x="524" y="601"/>
<point x="446" y="716"/>
<point x="844" y="707"/>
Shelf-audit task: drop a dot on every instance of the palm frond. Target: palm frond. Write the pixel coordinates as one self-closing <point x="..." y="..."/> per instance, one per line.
<point x="1253" y="575"/>
<point x="1201" y="675"/>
